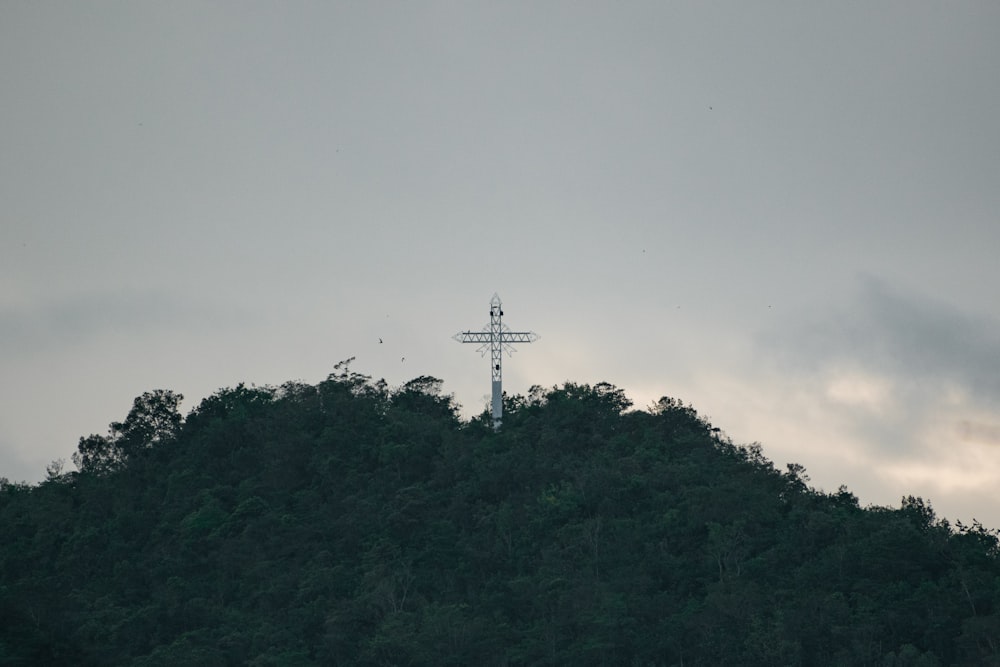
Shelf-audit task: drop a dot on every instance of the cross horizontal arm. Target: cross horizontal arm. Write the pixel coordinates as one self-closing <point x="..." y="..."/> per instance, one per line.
<point x="487" y="337"/>
<point x="518" y="337"/>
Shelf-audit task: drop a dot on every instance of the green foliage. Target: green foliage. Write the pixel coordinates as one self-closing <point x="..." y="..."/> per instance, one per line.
<point x="154" y="419"/>
<point x="353" y="523"/>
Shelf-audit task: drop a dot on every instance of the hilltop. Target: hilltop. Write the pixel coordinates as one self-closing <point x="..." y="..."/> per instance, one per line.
<point x="354" y="523"/>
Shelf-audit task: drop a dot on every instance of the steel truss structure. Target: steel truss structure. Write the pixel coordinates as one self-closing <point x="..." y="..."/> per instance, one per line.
<point x="497" y="338"/>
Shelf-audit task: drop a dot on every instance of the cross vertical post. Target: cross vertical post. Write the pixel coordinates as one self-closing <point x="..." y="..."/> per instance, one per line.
<point x="498" y="338"/>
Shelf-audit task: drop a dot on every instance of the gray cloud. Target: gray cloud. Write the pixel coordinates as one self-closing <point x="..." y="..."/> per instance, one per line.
<point x="899" y="376"/>
<point x="977" y="431"/>
<point x="917" y="340"/>
<point x="13" y="466"/>
<point x="78" y="319"/>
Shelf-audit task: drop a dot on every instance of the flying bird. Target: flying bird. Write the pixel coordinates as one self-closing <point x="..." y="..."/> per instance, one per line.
<point x="380" y="341"/>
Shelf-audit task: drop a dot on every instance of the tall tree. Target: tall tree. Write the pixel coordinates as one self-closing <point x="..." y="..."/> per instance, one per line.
<point x="153" y="419"/>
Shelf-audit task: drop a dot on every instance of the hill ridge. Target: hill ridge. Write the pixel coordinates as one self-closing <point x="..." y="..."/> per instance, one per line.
<point x="350" y="522"/>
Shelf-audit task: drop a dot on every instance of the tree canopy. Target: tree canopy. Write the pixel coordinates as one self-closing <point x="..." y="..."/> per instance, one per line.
<point x="355" y="523"/>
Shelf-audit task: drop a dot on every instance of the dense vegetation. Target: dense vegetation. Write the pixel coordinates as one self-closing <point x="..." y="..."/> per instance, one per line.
<point x="352" y="523"/>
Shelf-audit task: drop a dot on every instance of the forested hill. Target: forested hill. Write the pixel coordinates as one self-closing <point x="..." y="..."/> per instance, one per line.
<point x="351" y="523"/>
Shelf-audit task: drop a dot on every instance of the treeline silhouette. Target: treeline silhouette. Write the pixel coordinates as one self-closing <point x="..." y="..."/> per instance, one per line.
<point x="353" y="523"/>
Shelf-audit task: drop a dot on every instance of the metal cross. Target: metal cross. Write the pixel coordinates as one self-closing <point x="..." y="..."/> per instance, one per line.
<point x="497" y="337"/>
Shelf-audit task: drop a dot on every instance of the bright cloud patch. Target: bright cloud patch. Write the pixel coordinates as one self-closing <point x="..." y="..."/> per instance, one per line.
<point x="861" y="390"/>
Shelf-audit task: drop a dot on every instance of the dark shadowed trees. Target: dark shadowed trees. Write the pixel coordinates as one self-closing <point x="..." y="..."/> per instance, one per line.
<point x="154" y="419"/>
<point x="354" y="523"/>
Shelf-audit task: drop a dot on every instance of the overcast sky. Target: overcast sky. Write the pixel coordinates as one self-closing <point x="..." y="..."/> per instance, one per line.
<point x="785" y="214"/>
